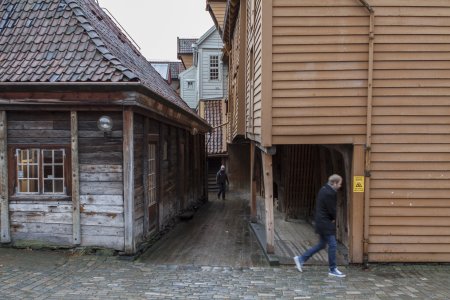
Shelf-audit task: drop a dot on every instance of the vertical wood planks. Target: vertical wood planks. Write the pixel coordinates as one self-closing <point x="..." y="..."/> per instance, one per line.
<point x="4" y="206"/>
<point x="145" y="177"/>
<point x="75" y="179"/>
<point x="128" y="181"/>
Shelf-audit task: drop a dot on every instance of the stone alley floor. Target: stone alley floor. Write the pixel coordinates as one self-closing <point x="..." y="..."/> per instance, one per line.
<point x="236" y="271"/>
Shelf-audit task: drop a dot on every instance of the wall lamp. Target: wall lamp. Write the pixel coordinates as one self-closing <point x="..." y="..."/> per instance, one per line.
<point x="105" y="125"/>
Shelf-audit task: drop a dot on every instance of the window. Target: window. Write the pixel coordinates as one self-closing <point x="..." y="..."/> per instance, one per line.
<point x="190" y="85"/>
<point x="40" y="171"/>
<point x="214" y="67"/>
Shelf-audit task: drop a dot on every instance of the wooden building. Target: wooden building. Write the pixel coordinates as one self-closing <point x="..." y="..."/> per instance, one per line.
<point x="356" y="87"/>
<point x="95" y="148"/>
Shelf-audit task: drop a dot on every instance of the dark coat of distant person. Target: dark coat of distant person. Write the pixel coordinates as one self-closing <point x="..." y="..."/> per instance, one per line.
<point x="326" y="211"/>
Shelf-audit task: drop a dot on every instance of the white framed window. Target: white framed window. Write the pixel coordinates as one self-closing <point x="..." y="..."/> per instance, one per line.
<point x="190" y="84"/>
<point x="214" y="67"/>
<point x="41" y="171"/>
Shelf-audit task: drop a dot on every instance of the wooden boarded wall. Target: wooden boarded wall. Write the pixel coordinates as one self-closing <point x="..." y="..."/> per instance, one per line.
<point x="320" y="54"/>
<point x="101" y="182"/>
<point x="36" y="219"/>
<point x="320" y="67"/>
<point x="139" y="162"/>
<point x="254" y="69"/>
<point x="410" y="202"/>
<point x="236" y="77"/>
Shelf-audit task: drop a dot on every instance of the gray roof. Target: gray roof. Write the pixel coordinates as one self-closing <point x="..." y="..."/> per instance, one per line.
<point x="71" y="41"/>
<point x="185" y="46"/>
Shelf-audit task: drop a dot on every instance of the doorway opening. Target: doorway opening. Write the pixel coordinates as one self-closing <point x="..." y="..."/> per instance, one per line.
<point x="299" y="172"/>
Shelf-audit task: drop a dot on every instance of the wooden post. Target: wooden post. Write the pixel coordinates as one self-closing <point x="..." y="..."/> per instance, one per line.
<point x="145" y="177"/>
<point x="357" y="208"/>
<point x="4" y="206"/>
<point x="253" y="211"/>
<point x="128" y="181"/>
<point x="76" y="234"/>
<point x="268" y="195"/>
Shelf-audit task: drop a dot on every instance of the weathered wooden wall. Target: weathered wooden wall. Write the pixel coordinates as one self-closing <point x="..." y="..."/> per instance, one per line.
<point x="101" y="182"/>
<point x="45" y="220"/>
<point x="139" y="185"/>
<point x="239" y="167"/>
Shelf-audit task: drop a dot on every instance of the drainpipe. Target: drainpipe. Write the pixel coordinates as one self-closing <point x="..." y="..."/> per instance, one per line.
<point x="368" y="133"/>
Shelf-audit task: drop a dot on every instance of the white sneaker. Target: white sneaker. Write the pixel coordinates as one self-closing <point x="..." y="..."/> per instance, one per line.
<point x="336" y="273"/>
<point x="298" y="263"/>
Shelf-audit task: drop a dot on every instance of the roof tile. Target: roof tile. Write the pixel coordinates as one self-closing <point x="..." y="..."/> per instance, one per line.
<point x="68" y="41"/>
<point x="213" y="115"/>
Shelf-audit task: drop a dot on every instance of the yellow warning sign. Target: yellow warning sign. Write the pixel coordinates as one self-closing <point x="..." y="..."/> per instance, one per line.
<point x="358" y="184"/>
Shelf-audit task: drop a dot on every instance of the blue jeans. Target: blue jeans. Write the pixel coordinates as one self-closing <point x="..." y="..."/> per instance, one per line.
<point x="324" y="240"/>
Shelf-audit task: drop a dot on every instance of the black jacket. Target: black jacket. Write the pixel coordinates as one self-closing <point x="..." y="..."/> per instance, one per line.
<point x="326" y="211"/>
<point x="221" y="177"/>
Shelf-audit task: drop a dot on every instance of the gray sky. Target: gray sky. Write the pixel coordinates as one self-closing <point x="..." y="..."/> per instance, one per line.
<point x="156" y="24"/>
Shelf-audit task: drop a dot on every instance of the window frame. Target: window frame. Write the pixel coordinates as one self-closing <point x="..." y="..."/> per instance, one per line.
<point x="188" y="87"/>
<point x="215" y="68"/>
<point x="13" y="172"/>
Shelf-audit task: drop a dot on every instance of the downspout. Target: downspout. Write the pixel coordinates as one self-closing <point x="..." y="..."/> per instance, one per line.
<point x="368" y="133"/>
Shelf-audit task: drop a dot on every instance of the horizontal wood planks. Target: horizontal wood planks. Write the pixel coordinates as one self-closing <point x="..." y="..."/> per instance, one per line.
<point x="254" y="69"/>
<point x="320" y="63"/>
<point x="101" y="182"/>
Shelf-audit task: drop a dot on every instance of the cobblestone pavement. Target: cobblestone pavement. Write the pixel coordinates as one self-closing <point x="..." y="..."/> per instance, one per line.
<point x="26" y="274"/>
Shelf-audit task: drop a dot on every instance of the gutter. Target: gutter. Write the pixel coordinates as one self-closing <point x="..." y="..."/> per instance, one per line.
<point x="368" y="146"/>
<point x="98" y="86"/>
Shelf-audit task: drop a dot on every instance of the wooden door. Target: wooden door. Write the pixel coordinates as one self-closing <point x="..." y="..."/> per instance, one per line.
<point x="152" y="194"/>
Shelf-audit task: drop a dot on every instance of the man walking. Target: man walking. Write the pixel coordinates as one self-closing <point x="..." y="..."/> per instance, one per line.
<point x="221" y="179"/>
<point x="325" y="226"/>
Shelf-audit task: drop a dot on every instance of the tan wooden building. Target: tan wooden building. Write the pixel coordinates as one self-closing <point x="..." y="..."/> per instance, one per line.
<point x="356" y="87"/>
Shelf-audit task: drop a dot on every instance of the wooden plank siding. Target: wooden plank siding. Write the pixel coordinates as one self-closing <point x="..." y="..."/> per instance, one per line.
<point x="139" y="186"/>
<point x="254" y="69"/>
<point x="101" y="182"/>
<point x="320" y="72"/>
<point x="40" y="220"/>
<point x="320" y="58"/>
<point x="218" y="9"/>
<point x="236" y="79"/>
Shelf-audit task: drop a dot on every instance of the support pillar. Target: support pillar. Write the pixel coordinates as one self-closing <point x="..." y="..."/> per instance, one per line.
<point x="75" y="179"/>
<point x="268" y="196"/>
<point x="5" y="236"/>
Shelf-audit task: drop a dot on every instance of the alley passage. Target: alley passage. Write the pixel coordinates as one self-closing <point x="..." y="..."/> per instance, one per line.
<point x="217" y="235"/>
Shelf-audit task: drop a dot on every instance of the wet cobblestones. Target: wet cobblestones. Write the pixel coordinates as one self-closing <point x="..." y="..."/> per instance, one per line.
<point x="52" y="275"/>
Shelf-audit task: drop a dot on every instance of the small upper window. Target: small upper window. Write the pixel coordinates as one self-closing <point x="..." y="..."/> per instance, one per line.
<point x="214" y="67"/>
<point x="190" y="85"/>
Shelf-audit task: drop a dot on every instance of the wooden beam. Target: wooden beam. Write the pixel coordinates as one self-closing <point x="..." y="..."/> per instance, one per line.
<point x="76" y="220"/>
<point x="253" y="211"/>
<point x="128" y="181"/>
<point x="4" y="206"/>
<point x="268" y="196"/>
